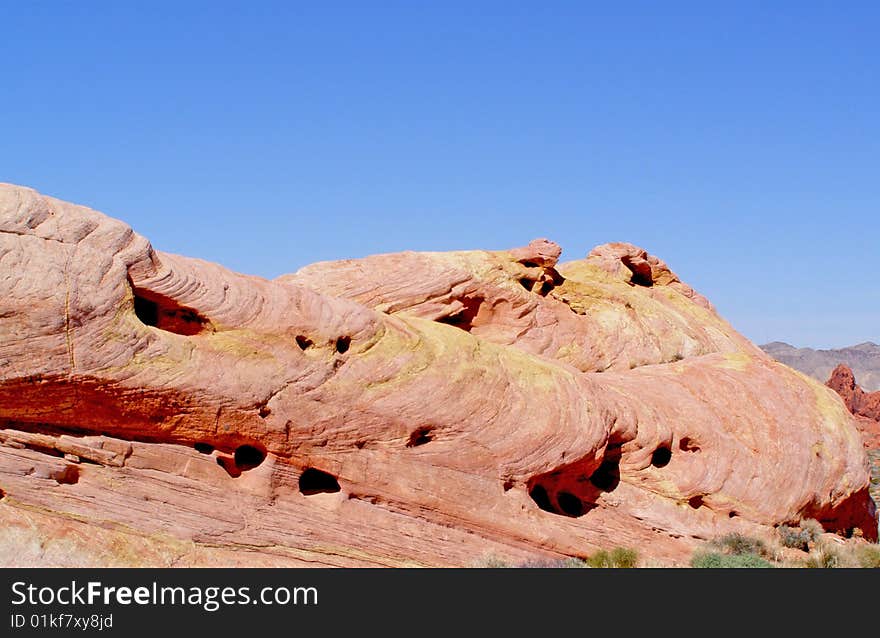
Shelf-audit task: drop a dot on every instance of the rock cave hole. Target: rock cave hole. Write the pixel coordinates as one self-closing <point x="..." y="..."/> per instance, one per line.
<point x="147" y="311"/>
<point x="247" y="457"/>
<point x="420" y="436"/>
<point x="527" y="283"/>
<point x="563" y="502"/>
<point x="541" y="498"/>
<point x="303" y="342"/>
<point x="641" y="280"/>
<point x="203" y="448"/>
<point x="265" y="411"/>
<point x="607" y="477"/>
<point x="661" y="456"/>
<point x="342" y="344"/>
<point x="688" y="445"/>
<point x="696" y="502"/>
<point x="641" y="272"/>
<point x="165" y="314"/>
<point x="570" y="504"/>
<point x="313" y="481"/>
<point x="2" y="494"/>
<point x="464" y="318"/>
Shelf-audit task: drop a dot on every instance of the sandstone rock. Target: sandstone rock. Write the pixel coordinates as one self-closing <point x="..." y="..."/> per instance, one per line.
<point x="864" y="405"/>
<point x="407" y="409"/>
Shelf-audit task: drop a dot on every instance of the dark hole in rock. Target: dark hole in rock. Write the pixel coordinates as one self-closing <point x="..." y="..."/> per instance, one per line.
<point x="607" y="476"/>
<point x="556" y="278"/>
<point x="642" y="280"/>
<point x="527" y="283"/>
<point x="546" y="287"/>
<point x="464" y="318"/>
<point x="542" y="500"/>
<point x="147" y="311"/>
<point x="247" y="457"/>
<point x="733" y="514"/>
<point x="360" y="444"/>
<point x="641" y="272"/>
<point x="530" y="264"/>
<point x="313" y="481"/>
<point x="420" y="436"/>
<point x="508" y="485"/>
<point x="342" y="344"/>
<point x="68" y="475"/>
<point x="2" y="494"/>
<point x="570" y="504"/>
<point x="696" y="502"/>
<point x="265" y="411"/>
<point x="165" y="314"/>
<point x="661" y="457"/>
<point x="687" y="444"/>
<point x="303" y="342"/>
<point x="204" y="448"/>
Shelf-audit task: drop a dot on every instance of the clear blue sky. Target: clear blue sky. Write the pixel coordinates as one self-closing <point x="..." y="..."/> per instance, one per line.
<point x="739" y="141"/>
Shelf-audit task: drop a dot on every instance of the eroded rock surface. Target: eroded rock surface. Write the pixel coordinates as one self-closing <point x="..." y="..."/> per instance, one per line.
<point x="406" y="409"/>
<point x="864" y="405"/>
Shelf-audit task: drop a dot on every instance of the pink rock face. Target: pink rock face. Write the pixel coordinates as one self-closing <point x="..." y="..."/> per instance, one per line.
<point x="864" y="405"/>
<point x="407" y="409"/>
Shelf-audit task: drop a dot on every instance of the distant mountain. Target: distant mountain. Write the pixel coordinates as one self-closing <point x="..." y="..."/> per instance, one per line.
<point x="863" y="360"/>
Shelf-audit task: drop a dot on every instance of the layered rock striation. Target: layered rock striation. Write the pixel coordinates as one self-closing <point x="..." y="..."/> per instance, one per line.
<point x="405" y="409"/>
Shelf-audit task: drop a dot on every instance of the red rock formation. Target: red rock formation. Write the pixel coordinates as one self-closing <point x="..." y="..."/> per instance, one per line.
<point x="399" y="409"/>
<point x="864" y="405"/>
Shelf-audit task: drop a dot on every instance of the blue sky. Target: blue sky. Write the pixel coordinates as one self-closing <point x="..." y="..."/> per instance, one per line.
<point x="739" y="141"/>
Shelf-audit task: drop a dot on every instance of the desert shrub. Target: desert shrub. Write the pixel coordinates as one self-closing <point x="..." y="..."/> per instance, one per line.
<point x="619" y="557"/>
<point x="825" y="558"/>
<point x="801" y="537"/>
<point x="714" y="560"/>
<point x="794" y="537"/>
<point x="491" y="562"/>
<point x="562" y="563"/>
<point x="813" y="528"/>
<point x="740" y="545"/>
<point x="868" y="557"/>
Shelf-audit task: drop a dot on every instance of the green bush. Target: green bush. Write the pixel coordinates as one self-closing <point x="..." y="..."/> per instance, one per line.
<point x="714" y="560"/>
<point x="619" y="558"/>
<point x="740" y="545"/>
